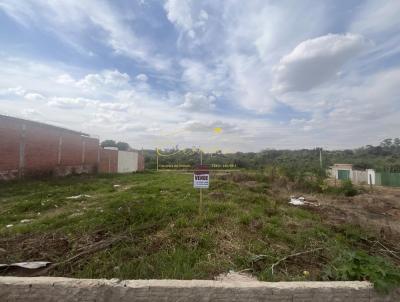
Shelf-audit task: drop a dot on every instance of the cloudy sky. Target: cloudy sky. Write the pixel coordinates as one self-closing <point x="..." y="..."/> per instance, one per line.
<point x="270" y="74"/>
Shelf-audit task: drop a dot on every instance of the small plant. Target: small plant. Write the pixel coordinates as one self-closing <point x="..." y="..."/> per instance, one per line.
<point x="347" y="188"/>
<point x="351" y="266"/>
<point x="245" y="219"/>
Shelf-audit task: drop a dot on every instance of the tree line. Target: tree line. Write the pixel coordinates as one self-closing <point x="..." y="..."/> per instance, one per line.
<point x="383" y="157"/>
<point x="122" y="146"/>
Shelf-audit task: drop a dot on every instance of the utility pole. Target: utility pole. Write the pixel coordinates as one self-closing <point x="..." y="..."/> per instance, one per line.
<point x="320" y="158"/>
<point x="157" y="158"/>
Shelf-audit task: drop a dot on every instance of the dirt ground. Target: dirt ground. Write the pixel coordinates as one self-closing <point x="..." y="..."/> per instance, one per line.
<point x="377" y="210"/>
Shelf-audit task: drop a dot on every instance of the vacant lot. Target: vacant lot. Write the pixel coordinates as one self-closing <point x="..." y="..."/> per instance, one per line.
<point x="148" y="226"/>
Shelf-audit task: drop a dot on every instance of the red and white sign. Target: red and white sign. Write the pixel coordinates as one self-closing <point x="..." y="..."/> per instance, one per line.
<point x="201" y="177"/>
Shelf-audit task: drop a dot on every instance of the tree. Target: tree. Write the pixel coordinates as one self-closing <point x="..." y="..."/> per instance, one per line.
<point x="123" y="146"/>
<point x="108" y="143"/>
<point x="111" y="143"/>
<point x="386" y="143"/>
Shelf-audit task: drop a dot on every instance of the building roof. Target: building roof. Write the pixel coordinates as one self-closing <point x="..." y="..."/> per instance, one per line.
<point x="20" y="120"/>
<point x="342" y="165"/>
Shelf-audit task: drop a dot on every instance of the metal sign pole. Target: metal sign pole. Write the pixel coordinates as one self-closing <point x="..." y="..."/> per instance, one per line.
<point x="201" y="179"/>
<point x="201" y="203"/>
<point x="201" y="190"/>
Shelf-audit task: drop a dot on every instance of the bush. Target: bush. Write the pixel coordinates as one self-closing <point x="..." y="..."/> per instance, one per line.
<point x="347" y="188"/>
<point x="352" y="266"/>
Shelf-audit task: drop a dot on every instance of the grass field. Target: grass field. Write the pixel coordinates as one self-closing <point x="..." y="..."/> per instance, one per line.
<point x="148" y="225"/>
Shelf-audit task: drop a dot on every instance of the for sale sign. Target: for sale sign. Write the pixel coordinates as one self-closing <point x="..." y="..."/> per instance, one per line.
<point x="201" y="177"/>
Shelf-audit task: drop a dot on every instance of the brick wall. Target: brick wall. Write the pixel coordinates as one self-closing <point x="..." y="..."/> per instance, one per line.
<point x="29" y="149"/>
<point x="32" y="149"/>
<point x="141" y="162"/>
<point x="9" y="148"/>
<point x="92" y="150"/>
<point x="108" y="161"/>
<point x="41" y="149"/>
<point x="46" y="289"/>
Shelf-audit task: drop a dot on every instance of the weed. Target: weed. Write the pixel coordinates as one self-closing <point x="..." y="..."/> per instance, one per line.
<point x="358" y="265"/>
<point x="345" y="188"/>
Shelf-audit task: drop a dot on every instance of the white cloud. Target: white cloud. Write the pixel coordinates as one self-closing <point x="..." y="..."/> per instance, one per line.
<point x="375" y="17"/>
<point x="34" y="97"/>
<point x="142" y="77"/>
<point x="248" y="85"/>
<point x="19" y="93"/>
<point x="16" y="91"/>
<point x="179" y="12"/>
<point x="114" y="106"/>
<point x="215" y="68"/>
<point x="315" y="61"/>
<point x="69" y="103"/>
<point x="198" y="102"/>
<point x="68" y="19"/>
<point x="110" y="78"/>
<point x="127" y="127"/>
<point x="378" y="20"/>
<point x="209" y="127"/>
<point x="65" y="79"/>
<point x="240" y="45"/>
<point x="350" y="115"/>
<point x="187" y="16"/>
<point x="200" y="77"/>
<point x="31" y="113"/>
<point x="110" y="119"/>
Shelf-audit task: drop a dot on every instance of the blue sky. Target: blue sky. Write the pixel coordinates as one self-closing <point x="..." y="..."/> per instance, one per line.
<point x="270" y="74"/>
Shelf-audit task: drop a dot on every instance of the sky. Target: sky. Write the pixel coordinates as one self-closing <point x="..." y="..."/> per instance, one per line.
<point x="156" y="74"/>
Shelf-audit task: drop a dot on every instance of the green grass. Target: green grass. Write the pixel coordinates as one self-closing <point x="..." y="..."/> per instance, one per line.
<point x="241" y="227"/>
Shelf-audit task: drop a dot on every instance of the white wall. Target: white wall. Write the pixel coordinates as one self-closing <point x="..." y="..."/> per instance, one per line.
<point x="359" y="177"/>
<point x="372" y="173"/>
<point x="127" y="161"/>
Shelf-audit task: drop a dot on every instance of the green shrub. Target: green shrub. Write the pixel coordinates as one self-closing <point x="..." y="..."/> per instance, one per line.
<point x="351" y="266"/>
<point x="347" y="188"/>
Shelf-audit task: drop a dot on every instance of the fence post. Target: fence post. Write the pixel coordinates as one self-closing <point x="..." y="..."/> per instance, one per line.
<point x="370" y="182"/>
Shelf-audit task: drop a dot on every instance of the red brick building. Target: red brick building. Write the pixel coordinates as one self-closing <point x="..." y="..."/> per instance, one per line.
<point x="30" y="148"/>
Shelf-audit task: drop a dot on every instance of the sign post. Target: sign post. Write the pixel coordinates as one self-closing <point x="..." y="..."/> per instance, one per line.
<point x="201" y="180"/>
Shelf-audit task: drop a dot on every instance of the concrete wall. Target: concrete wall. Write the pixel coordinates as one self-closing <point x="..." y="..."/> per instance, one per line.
<point x="359" y="177"/>
<point x="45" y="289"/>
<point x="127" y="161"/>
<point x="356" y="176"/>
<point x="29" y="148"/>
<point x="371" y="176"/>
